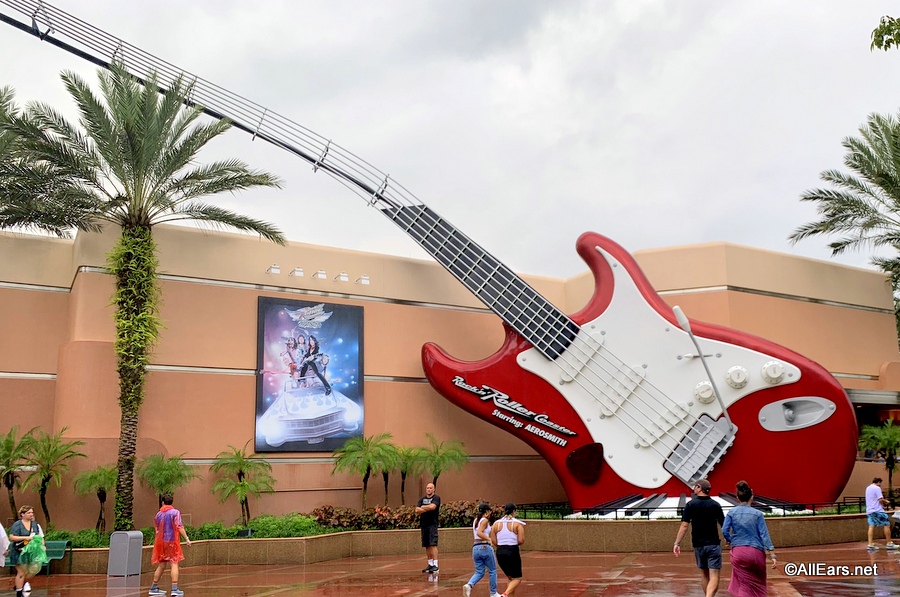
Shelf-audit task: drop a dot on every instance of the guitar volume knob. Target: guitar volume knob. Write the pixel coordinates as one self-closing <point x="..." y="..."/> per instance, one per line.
<point x="737" y="377"/>
<point x="704" y="392"/>
<point x="773" y="372"/>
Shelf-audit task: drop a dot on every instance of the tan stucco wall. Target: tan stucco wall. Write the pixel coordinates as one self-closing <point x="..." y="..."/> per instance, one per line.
<point x="56" y="322"/>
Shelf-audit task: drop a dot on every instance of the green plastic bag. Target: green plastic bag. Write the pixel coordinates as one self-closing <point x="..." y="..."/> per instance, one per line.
<point x="34" y="555"/>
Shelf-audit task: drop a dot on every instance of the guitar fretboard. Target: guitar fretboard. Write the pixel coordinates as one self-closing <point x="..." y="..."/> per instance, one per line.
<point x="544" y="326"/>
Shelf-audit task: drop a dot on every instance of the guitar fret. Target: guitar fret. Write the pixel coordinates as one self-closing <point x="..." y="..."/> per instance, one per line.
<point x="501" y="295"/>
<point x="549" y="330"/>
<point x="487" y="278"/>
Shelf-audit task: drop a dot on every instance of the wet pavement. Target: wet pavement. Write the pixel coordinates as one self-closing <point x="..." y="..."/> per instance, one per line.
<point x="845" y="570"/>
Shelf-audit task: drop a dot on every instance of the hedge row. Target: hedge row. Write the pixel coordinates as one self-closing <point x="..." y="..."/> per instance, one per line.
<point x="327" y="519"/>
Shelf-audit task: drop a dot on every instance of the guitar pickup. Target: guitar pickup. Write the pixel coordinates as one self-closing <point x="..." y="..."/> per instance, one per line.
<point x="700" y="449"/>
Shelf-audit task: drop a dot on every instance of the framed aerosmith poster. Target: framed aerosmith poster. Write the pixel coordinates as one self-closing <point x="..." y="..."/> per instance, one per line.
<point x="309" y="389"/>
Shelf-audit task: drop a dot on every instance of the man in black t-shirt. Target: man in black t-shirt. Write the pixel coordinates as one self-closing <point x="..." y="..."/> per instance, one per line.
<point x="705" y="516"/>
<point x="428" y="509"/>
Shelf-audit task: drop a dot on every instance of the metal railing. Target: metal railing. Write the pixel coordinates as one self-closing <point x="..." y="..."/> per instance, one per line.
<point x="560" y="510"/>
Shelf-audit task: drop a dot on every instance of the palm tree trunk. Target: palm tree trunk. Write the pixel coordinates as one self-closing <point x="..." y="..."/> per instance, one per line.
<point x="402" y="489"/>
<point x="12" y="498"/>
<point x="124" y="505"/>
<point x="133" y="263"/>
<point x="43" y="493"/>
<point x="385" y="475"/>
<point x="101" y="519"/>
<point x="366" y="485"/>
<point x="890" y="463"/>
<point x="245" y="512"/>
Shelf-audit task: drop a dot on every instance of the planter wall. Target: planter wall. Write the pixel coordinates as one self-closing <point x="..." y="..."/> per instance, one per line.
<point x="541" y="535"/>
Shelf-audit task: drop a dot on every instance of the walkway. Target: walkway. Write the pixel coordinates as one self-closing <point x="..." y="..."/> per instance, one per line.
<point x="546" y="575"/>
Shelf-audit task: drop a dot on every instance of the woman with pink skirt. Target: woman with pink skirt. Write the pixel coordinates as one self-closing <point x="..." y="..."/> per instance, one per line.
<point x="745" y="529"/>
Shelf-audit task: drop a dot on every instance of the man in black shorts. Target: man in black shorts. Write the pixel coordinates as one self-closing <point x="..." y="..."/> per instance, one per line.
<point x="428" y="509"/>
<point x="703" y="514"/>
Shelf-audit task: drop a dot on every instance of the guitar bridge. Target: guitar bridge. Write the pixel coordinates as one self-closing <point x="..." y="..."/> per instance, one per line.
<point x="700" y="449"/>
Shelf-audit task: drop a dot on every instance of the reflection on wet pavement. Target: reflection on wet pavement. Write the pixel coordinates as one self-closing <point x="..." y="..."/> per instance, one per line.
<point x="845" y="570"/>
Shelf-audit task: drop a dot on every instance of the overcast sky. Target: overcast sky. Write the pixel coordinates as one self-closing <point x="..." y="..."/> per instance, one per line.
<point x="525" y="123"/>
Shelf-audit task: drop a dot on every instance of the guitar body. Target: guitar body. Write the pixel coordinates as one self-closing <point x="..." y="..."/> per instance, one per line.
<point x="796" y="432"/>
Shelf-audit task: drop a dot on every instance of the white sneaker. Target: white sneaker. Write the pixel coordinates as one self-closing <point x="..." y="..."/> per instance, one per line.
<point x="467" y="590"/>
<point x="892" y="545"/>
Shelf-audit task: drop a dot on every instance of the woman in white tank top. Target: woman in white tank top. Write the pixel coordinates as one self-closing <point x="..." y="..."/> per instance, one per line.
<point x="482" y="552"/>
<point x="508" y="534"/>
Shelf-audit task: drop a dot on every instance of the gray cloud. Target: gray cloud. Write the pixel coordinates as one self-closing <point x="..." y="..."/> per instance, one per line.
<point x="525" y="122"/>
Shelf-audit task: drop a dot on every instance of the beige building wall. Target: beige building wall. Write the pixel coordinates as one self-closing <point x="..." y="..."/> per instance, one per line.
<point x="57" y="366"/>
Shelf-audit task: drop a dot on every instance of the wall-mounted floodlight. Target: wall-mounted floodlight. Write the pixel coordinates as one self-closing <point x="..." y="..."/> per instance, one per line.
<point x="342" y="277"/>
<point x="273" y="269"/>
<point x="319" y="275"/>
<point x="363" y="279"/>
<point x="297" y="272"/>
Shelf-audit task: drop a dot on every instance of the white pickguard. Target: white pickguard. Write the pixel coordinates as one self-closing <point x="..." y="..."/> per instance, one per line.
<point x="631" y="376"/>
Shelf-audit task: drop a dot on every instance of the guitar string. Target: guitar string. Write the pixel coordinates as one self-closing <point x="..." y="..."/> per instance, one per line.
<point x="620" y="368"/>
<point x="312" y="142"/>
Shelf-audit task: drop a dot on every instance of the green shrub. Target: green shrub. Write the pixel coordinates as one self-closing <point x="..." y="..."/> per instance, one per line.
<point x="89" y="538"/>
<point x="212" y="530"/>
<point x="289" y="525"/>
<point x="55" y="535"/>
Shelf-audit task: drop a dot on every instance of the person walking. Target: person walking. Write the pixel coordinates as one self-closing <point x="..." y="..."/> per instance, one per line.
<point x="20" y="533"/>
<point x="876" y="516"/>
<point x="508" y="534"/>
<point x="482" y="551"/>
<point x="745" y="529"/>
<point x="428" y="508"/>
<point x="167" y="545"/>
<point x="703" y="514"/>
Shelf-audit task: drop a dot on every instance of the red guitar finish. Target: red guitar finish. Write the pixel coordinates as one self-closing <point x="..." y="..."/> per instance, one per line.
<point x="805" y="465"/>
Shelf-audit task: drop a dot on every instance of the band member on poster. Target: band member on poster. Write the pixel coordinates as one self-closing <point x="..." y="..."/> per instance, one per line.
<point x="312" y="360"/>
<point x="291" y="354"/>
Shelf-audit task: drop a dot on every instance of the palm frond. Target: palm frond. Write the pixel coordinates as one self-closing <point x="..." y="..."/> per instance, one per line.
<point x="861" y="207"/>
<point x="220" y="218"/>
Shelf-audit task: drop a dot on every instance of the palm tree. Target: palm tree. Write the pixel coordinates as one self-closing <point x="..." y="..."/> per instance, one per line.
<point x="884" y="438"/>
<point x="164" y="475"/>
<point x="438" y="457"/>
<point x="253" y="476"/>
<point x="14" y="454"/>
<point x="49" y="458"/>
<point x="24" y="203"/>
<point x="132" y="163"/>
<point x="410" y="463"/>
<point x="101" y="480"/>
<point x="863" y="207"/>
<point x="364" y="456"/>
<point x="390" y="459"/>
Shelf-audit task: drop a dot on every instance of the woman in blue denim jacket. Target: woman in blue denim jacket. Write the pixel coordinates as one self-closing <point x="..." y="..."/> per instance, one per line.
<point x="745" y="529"/>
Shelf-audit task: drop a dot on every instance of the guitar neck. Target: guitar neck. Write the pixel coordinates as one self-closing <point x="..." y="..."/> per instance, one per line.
<point x="544" y="326"/>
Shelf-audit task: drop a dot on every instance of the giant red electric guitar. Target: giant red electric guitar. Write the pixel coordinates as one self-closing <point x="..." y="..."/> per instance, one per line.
<point x="624" y="396"/>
